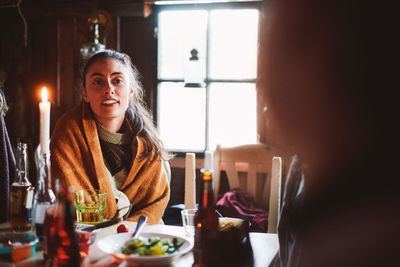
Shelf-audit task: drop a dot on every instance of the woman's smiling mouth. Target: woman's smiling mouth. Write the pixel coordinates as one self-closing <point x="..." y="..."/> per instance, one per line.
<point x="109" y="102"/>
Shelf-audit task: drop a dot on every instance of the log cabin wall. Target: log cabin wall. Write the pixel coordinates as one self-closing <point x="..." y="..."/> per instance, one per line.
<point x="48" y="54"/>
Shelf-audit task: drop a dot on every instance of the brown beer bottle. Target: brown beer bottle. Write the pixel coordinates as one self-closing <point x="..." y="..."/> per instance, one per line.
<point x="21" y="192"/>
<point x="206" y="225"/>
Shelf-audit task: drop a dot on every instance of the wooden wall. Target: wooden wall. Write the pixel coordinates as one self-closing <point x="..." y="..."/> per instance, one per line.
<point x="49" y="55"/>
<point x="56" y="30"/>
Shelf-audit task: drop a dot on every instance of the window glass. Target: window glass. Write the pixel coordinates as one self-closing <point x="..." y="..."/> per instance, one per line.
<point x="232" y="114"/>
<point x="181" y="116"/>
<point x="223" y="112"/>
<point x="233" y="44"/>
<point x="180" y="32"/>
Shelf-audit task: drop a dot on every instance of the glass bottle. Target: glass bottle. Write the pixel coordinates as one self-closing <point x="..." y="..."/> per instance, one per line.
<point x="50" y="229"/>
<point x="44" y="197"/>
<point x="61" y="243"/>
<point x="21" y="192"/>
<point x="206" y="225"/>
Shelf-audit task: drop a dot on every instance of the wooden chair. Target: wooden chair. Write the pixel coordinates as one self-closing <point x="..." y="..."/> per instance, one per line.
<point x="257" y="169"/>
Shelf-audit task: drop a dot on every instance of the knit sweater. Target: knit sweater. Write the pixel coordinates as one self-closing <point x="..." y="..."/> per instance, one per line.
<point x="77" y="160"/>
<point x="117" y="153"/>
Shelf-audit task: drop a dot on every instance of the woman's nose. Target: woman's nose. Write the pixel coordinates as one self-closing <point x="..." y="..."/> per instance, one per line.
<point x="109" y="89"/>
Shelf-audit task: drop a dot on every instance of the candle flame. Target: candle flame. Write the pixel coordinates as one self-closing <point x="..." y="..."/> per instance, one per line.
<point x="44" y="94"/>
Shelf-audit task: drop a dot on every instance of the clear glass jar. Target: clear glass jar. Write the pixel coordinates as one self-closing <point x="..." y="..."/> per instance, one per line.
<point x="44" y="197"/>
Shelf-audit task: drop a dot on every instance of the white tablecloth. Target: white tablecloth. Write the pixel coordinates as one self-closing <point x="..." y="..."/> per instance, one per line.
<point x="265" y="248"/>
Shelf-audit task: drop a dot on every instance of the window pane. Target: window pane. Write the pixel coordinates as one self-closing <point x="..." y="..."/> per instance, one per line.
<point x="233" y="44"/>
<point x="181" y="116"/>
<point x="232" y="114"/>
<point x="178" y="33"/>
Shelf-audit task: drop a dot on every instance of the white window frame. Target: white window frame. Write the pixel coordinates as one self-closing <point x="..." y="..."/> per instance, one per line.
<point x="183" y="5"/>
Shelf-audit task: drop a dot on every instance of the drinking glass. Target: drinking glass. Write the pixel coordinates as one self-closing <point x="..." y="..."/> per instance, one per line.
<point x="85" y="240"/>
<point x="188" y="220"/>
<point x="90" y="205"/>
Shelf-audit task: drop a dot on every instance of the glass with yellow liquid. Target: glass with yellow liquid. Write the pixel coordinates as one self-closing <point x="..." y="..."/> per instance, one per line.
<point x="90" y="205"/>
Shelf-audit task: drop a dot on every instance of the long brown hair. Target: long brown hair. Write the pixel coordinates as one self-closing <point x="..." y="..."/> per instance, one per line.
<point x="137" y="114"/>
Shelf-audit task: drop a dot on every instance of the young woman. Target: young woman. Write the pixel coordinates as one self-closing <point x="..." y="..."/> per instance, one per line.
<point x="109" y="142"/>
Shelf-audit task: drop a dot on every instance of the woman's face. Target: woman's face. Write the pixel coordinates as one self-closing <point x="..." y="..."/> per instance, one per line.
<point x="108" y="90"/>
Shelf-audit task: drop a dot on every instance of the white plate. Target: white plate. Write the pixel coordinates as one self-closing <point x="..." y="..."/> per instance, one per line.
<point x="123" y="202"/>
<point x="112" y="245"/>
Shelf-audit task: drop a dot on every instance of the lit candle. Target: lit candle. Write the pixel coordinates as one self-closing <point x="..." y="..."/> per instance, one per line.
<point x="44" y="108"/>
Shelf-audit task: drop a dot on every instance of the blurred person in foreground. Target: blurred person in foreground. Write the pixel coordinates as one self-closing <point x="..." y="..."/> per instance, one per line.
<point x="330" y="82"/>
<point x="109" y="142"/>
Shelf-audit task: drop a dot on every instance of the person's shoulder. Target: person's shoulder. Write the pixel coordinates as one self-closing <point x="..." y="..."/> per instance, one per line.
<point x="70" y="120"/>
<point x="72" y="113"/>
<point x="146" y="150"/>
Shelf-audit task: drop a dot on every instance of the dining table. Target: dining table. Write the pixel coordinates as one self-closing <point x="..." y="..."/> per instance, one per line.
<point x="265" y="248"/>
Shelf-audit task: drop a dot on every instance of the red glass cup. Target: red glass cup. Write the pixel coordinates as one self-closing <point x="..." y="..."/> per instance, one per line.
<point x="85" y="240"/>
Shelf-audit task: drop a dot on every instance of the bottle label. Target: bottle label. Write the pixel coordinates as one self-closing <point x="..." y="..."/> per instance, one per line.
<point x="16" y="201"/>
<point x="29" y="199"/>
<point x="41" y="212"/>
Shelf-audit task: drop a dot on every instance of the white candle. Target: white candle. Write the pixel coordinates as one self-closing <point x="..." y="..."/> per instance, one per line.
<point x="190" y="181"/>
<point x="44" y="108"/>
<point x="208" y="160"/>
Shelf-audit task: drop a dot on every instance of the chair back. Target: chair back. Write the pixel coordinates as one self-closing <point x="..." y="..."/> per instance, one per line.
<point x="167" y="168"/>
<point x="190" y="181"/>
<point x="256" y="168"/>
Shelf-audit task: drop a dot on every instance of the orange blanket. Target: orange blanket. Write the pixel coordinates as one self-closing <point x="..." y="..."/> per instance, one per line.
<point x="77" y="160"/>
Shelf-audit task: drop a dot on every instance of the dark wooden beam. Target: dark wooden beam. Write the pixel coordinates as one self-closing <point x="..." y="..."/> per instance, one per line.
<point x="33" y="9"/>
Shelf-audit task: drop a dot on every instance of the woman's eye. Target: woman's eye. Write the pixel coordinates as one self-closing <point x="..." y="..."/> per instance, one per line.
<point x="97" y="82"/>
<point x="118" y="81"/>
